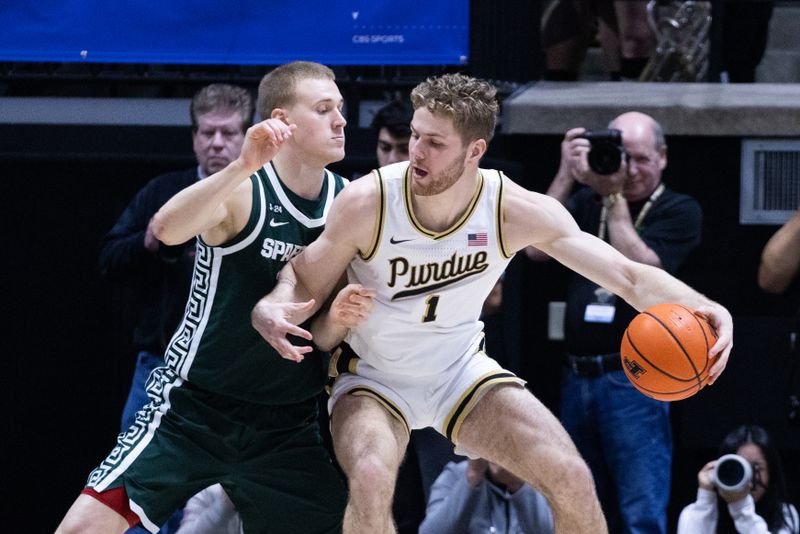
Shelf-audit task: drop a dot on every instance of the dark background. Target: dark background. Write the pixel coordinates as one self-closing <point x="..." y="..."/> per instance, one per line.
<point x="67" y="331"/>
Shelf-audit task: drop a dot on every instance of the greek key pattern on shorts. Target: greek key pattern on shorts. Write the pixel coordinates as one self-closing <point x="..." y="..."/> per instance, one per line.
<point x="141" y="429"/>
<point x="181" y="342"/>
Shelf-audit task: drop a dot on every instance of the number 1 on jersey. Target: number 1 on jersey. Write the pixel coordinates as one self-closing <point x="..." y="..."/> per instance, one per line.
<point x="430" y="308"/>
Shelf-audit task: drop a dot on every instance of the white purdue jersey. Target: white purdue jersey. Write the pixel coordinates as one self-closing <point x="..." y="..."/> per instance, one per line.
<point x="430" y="285"/>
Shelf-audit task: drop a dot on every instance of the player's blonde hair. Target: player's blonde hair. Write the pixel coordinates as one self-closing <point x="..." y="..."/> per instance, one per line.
<point x="277" y="88"/>
<point x="471" y="103"/>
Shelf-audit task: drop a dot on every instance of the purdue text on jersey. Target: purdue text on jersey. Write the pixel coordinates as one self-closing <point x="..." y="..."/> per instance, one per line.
<point x="426" y="277"/>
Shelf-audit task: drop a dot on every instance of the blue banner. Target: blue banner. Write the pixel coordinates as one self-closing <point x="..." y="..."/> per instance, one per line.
<point x="335" y="32"/>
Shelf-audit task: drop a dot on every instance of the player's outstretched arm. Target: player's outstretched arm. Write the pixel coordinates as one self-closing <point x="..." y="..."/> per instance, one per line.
<point x="541" y="221"/>
<point x="209" y="204"/>
<point x="305" y="283"/>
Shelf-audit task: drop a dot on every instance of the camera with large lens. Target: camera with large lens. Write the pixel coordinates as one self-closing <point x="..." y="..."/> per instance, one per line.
<point x="606" y="152"/>
<point x="732" y="473"/>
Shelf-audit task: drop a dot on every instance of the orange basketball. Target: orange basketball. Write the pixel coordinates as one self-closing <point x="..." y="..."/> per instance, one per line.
<point x="665" y="352"/>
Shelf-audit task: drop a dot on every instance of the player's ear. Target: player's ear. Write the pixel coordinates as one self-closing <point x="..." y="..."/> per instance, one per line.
<point x="476" y="150"/>
<point x="662" y="158"/>
<point x="279" y="113"/>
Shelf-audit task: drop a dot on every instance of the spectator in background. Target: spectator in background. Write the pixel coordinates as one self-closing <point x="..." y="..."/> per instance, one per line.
<point x="392" y="122"/>
<point x="624" y="436"/>
<point x="761" y="508"/>
<point x="777" y="274"/>
<point x="160" y="275"/>
<point x="780" y="259"/>
<point x="500" y="502"/>
<point x="621" y="27"/>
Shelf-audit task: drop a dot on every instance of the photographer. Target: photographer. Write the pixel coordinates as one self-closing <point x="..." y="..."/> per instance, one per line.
<point x="624" y="436"/>
<point x="760" y="507"/>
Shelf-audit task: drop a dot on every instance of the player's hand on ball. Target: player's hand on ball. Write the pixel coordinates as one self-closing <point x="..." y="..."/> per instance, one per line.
<point x="722" y="322"/>
<point x="665" y="351"/>
<point x="352" y="305"/>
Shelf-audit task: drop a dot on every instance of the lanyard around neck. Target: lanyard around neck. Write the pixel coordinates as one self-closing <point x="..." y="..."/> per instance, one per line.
<point x="637" y="225"/>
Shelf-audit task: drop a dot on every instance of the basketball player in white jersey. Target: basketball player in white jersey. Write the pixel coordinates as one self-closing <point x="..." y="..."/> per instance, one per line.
<point x="430" y="237"/>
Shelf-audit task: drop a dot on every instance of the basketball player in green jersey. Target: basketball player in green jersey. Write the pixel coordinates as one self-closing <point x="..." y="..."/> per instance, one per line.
<point x="227" y="408"/>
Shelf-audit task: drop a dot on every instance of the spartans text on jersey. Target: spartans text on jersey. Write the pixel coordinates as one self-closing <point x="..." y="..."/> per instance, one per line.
<point x="273" y="249"/>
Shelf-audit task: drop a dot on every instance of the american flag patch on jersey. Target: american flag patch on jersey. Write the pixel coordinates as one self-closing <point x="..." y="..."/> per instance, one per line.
<point x="477" y="240"/>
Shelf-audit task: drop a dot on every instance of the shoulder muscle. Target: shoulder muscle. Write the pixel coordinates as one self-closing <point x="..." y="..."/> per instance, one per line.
<point x="531" y="218"/>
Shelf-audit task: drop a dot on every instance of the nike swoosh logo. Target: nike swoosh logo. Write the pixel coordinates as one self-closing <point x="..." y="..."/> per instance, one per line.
<point x="274" y="224"/>
<point x="394" y="241"/>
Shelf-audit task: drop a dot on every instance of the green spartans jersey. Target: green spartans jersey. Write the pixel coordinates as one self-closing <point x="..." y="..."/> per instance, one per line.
<point x="215" y="347"/>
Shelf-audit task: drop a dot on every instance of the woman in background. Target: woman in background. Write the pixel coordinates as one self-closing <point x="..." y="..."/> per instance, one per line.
<point x="760" y="508"/>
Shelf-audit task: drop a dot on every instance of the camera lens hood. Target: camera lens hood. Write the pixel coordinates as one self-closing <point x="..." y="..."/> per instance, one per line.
<point x="732" y="473"/>
<point x="605" y="152"/>
<point x="604" y="158"/>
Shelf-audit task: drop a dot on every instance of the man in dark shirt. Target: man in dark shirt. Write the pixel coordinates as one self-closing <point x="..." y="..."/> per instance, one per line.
<point x="624" y="436"/>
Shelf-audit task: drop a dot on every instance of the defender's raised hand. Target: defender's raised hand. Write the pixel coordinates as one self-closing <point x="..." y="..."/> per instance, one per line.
<point x="262" y="141"/>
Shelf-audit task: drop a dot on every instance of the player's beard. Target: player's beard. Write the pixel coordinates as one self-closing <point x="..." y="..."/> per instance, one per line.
<point x="444" y="181"/>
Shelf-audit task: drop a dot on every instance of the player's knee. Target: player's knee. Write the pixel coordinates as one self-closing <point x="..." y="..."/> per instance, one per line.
<point x="371" y="478"/>
<point x="577" y="476"/>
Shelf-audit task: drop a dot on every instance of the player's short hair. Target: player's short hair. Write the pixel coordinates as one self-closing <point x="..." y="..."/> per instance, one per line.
<point x="277" y="88"/>
<point x="396" y="118"/>
<point x="222" y="98"/>
<point x="471" y="103"/>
